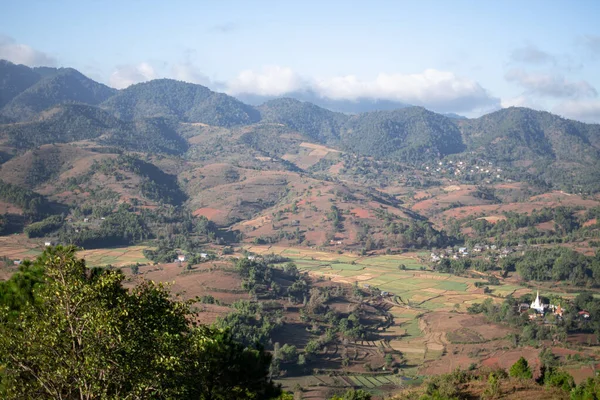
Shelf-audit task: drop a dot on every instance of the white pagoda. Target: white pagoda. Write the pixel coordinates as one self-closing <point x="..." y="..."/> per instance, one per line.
<point x="537" y="304"/>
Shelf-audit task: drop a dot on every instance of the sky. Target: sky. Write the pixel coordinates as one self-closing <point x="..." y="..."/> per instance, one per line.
<point x="465" y="57"/>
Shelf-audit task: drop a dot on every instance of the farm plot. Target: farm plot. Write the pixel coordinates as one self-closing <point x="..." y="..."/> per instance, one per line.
<point x="117" y="257"/>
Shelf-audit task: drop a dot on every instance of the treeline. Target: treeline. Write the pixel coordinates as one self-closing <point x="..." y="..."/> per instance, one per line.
<point x="34" y="206"/>
<point x="521" y="227"/>
<point x="121" y="228"/>
<point x="558" y="264"/>
<point x="44" y="227"/>
<point x="136" y="343"/>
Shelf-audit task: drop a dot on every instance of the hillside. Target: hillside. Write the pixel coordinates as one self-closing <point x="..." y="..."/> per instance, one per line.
<point x="408" y="134"/>
<point x="554" y="149"/>
<point x="64" y="86"/>
<point x="183" y="101"/>
<point x="14" y="79"/>
<point x="285" y="171"/>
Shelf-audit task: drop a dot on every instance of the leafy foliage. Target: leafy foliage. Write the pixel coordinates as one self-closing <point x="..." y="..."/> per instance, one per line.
<point x="520" y="369"/>
<point x="85" y="336"/>
<point x="42" y="228"/>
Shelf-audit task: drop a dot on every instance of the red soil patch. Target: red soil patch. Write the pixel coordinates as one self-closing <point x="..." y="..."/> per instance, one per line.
<point x="7" y="208"/>
<point x="361" y="213"/>
<point x="590" y="222"/>
<point x="309" y="199"/>
<point x="506" y="358"/>
<point x="545" y="226"/>
<point x="581" y="374"/>
<point x="210" y="213"/>
<point x="335" y="169"/>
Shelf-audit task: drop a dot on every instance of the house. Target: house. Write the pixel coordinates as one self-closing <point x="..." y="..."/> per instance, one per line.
<point x="478" y="248"/>
<point x="523" y="307"/>
<point x="203" y="255"/>
<point x="17" y="262"/>
<point x="47" y="244"/>
<point x="584" y="314"/>
<point x="181" y="258"/>
<point x="462" y="250"/>
<point x="251" y="258"/>
<point x="86" y="220"/>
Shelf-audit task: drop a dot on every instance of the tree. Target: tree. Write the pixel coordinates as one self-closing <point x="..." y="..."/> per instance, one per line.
<point x="84" y="336"/>
<point x="521" y="369"/>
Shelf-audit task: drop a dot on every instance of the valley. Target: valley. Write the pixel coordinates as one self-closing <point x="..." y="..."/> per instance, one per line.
<point x="364" y="251"/>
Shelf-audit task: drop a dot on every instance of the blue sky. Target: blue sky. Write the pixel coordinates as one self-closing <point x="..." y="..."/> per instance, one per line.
<point x="468" y="57"/>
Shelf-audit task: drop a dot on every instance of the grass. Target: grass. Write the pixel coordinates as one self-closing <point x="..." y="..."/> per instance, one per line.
<point x="454" y="286"/>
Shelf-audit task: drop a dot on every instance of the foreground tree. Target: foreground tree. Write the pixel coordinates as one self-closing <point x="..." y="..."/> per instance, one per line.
<point x="82" y="335"/>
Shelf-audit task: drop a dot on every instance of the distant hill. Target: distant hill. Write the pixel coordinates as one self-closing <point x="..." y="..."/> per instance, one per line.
<point x="550" y="147"/>
<point x="355" y="106"/>
<point x="64" y="86"/>
<point x="409" y="134"/>
<point x="182" y="101"/>
<point x="75" y="122"/>
<point x="14" y="79"/>
<point x="164" y="116"/>
<point x="315" y="122"/>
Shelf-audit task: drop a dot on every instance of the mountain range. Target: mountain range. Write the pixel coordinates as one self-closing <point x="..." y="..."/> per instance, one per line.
<point x="59" y="130"/>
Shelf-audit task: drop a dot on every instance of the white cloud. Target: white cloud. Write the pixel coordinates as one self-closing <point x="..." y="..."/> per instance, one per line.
<point x="582" y="110"/>
<point x="126" y="75"/>
<point x="553" y="85"/>
<point x="187" y="72"/>
<point x="439" y="90"/>
<point x="23" y="54"/>
<point x="271" y="81"/>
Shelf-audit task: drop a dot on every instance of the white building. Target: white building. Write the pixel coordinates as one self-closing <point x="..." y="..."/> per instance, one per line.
<point x="537" y="305"/>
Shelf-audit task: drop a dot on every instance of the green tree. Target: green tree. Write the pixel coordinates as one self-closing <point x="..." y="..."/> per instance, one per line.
<point x="521" y="369"/>
<point x="82" y="335"/>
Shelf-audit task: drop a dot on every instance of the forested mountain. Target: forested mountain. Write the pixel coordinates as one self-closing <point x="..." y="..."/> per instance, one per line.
<point x="64" y="86"/>
<point x="408" y="134"/>
<point x="14" y="79"/>
<point x="196" y="126"/>
<point x="183" y="101"/>
<point x="315" y="122"/>
<point x="74" y="122"/>
<point x="548" y="146"/>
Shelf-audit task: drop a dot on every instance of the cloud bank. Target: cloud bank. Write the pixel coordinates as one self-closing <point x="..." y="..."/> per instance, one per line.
<point x="439" y="90"/>
<point x="126" y="75"/>
<point x="19" y="53"/>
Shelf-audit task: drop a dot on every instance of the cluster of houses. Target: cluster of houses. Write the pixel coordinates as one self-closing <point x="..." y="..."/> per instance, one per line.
<point x="463" y="168"/>
<point x="542" y="309"/>
<point x="477" y="249"/>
